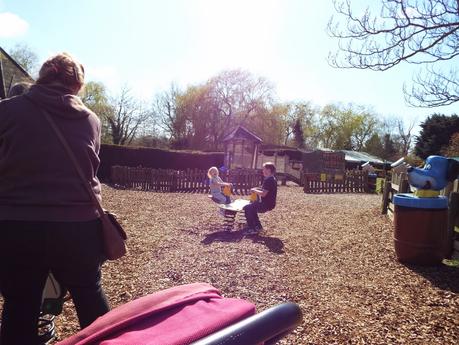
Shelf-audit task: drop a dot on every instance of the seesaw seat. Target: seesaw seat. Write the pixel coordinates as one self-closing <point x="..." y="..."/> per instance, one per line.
<point x="230" y="213"/>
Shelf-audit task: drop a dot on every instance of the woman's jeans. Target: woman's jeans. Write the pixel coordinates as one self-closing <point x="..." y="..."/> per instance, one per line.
<point x="72" y="251"/>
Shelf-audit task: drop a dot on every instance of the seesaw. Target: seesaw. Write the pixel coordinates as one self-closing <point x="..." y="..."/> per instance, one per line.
<point x="230" y="212"/>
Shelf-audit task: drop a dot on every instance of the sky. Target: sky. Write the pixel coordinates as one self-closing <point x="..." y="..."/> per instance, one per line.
<point x="150" y="44"/>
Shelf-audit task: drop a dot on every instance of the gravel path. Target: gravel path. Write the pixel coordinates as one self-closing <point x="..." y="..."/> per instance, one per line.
<point x="331" y="254"/>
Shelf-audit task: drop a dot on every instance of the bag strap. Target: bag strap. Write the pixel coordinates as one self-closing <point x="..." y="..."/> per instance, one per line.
<point x="75" y="163"/>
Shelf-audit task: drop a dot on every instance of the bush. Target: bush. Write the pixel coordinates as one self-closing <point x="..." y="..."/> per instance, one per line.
<point x="111" y="155"/>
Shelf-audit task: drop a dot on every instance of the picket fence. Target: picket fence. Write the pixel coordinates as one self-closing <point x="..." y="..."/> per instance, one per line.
<point x="182" y="181"/>
<point x="349" y="181"/>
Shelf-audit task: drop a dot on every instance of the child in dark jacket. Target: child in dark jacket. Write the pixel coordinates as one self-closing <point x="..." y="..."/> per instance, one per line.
<point x="267" y="195"/>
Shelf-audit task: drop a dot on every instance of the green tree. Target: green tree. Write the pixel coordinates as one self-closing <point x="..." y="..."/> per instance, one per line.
<point x="298" y="134"/>
<point x="364" y="124"/>
<point x="390" y="151"/>
<point x="155" y="141"/>
<point x="267" y="124"/>
<point x="25" y="57"/>
<point x="122" y="117"/>
<point x="436" y="132"/>
<point x="452" y="150"/>
<point x="411" y="31"/>
<point x="200" y="116"/>
<point x="306" y="114"/>
<point x="374" y="145"/>
<point x="94" y="96"/>
<point x="345" y="128"/>
<point x="200" y="112"/>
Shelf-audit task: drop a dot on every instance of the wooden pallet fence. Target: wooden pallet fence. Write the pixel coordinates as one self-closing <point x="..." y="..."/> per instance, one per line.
<point x="182" y="181"/>
<point x="243" y="180"/>
<point x="350" y="181"/>
<point x="397" y="183"/>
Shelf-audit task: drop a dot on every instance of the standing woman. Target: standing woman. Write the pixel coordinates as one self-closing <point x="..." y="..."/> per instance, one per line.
<point x="47" y="219"/>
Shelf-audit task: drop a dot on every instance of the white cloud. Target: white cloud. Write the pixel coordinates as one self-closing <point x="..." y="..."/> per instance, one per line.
<point x="12" y="25"/>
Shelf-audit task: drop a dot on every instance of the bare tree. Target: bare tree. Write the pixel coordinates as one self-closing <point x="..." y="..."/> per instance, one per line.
<point x="421" y="32"/>
<point x="433" y="88"/>
<point x="169" y="118"/>
<point x="400" y="132"/>
<point x="240" y="95"/>
<point x="126" y="117"/>
<point x="405" y="136"/>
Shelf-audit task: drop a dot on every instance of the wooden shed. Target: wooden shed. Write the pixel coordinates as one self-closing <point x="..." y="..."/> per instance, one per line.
<point x="11" y="73"/>
<point x="288" y="160"/>
<point x="324" y="161"/>
<point x="241" y="149"/>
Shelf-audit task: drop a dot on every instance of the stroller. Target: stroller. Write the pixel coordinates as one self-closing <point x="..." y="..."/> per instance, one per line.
<point x="194" y="314"/>
<point x="188" y="314"/>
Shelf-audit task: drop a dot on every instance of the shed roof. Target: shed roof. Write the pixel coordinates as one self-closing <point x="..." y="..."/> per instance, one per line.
<point x="292" y="152"/>
<point x="363" y="157"/>
<point x="242" y="132"/>
<point x="10" y="73"/>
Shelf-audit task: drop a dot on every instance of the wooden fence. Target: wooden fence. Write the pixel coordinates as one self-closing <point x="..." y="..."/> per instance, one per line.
<point x="183" y="181"/>
<point x="453" y="219"/>
<point x="398" y="183"/>
<point x="349" y="181"/>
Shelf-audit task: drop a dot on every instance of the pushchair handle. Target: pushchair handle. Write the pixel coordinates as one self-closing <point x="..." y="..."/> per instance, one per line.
<point x="263" y="327"/>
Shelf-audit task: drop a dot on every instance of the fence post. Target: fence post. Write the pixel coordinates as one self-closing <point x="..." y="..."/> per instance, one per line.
<point x="453" y="212"/>
<point x="386" y="194"/>
<point x="173" y="181"/>
<point x="404" y="186"/>
<point x="366" y="188"/>
<point x="305" y="183"/>
<point x="113" y="174"/>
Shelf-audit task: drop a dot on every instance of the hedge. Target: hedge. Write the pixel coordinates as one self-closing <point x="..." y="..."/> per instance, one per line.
<point x="111" y="155"/>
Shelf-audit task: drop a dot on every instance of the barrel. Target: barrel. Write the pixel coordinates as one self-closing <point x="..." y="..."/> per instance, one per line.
<point x="421" y="224"/>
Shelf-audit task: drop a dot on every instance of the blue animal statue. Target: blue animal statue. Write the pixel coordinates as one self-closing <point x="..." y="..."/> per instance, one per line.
<point x="435" y="174"/>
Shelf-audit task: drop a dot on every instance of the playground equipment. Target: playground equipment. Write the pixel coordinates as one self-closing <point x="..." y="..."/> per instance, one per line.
<point x="435" y="174"/>
<point x="227" y="191"/>
<point x="234" y="212"/>
<point x="421" y="218"/>
<point x="52" y="300"/>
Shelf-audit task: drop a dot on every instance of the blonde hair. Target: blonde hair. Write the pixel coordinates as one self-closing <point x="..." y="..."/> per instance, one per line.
<point x="63" y="69"/>
<point x="209" y="175"/>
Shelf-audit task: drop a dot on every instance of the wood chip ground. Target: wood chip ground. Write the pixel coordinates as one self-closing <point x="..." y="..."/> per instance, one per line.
<point x="331" y="254"/>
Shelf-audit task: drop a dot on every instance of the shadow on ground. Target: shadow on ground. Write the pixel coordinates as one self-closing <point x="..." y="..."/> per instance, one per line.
<point x="443" y="277"/>
<point x="274" y="244"/>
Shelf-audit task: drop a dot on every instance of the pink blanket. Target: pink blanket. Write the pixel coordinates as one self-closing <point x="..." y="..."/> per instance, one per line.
<point x="175" y="316"/>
